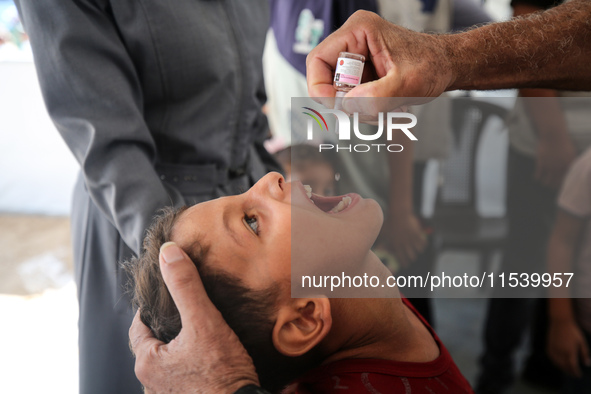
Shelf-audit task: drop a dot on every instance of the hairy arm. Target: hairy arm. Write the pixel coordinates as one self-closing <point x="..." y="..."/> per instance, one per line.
<point x="550" y="49"/>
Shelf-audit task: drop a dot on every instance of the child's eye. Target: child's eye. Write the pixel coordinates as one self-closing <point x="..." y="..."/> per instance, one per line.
<point x="252" y="222"/>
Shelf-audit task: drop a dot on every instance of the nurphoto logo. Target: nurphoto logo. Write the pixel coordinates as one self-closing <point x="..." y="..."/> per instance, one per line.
<point x="343" y="129"/>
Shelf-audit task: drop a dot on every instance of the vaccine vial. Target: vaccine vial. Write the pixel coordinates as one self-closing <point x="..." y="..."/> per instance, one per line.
<point x="348" y="72"/>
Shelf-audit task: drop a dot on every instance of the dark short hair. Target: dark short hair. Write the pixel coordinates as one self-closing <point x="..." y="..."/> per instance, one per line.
<point x="250" y="313"/>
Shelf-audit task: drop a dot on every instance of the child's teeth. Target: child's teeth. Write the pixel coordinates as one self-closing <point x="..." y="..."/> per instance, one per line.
<point x="308" y="191"/>
<point x="338" y="208"/>
<point x="344" y="203"/>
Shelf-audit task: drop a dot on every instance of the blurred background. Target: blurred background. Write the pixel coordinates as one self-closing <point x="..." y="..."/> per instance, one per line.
<point x="37" y="292"/>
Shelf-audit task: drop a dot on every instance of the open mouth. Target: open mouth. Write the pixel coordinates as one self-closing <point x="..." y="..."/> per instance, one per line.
<point x="328" y="204"/>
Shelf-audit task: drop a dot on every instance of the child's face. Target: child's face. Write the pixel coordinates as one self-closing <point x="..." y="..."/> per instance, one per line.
<point x="255" y="235"/>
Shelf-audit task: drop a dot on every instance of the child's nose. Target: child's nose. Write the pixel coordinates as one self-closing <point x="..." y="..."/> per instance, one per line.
<point x="271" y="185"/>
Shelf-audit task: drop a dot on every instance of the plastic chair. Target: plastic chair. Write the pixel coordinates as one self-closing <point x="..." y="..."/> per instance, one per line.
<point x="458" y="224"/>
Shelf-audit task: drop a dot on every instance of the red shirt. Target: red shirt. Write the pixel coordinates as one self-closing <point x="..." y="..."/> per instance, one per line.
<point x="384" y="376"/>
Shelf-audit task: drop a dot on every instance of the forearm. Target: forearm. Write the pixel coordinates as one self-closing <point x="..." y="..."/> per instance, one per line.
<point x="561" y="310"/>
<point x="562" y="246"/>
<point x="559" y="256"/>
<point x="544" y="110"/>
<point x="551" y="49"/>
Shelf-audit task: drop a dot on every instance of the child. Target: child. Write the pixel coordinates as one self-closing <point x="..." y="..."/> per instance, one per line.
<point x="569" y="250"/>
<point x="242" y="246"/>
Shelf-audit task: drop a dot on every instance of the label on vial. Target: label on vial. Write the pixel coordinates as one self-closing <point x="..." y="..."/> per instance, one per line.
<point x="348" y="71"/>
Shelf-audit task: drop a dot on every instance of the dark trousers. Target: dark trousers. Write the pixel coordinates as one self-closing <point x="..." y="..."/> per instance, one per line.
<point x="530" y="213"/>
<point x="106" y="364"/>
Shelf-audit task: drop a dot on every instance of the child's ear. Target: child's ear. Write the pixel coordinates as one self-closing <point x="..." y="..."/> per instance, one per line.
<point x="301" y="325"/>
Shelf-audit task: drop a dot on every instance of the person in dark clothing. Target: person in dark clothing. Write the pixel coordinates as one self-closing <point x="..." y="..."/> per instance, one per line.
<point x="160" y="103"/>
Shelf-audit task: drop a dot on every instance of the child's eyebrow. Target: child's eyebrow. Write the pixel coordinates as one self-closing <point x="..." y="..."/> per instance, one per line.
<point x="226" y="219"/>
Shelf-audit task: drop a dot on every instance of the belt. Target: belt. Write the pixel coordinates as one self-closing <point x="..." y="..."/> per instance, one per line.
<point x="201" y="178"/>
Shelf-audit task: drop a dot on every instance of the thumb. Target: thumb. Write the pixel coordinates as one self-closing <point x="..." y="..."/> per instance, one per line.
<point x="386" y="86"/>
<point x="141" y="338"/>
<point x="185" y="286"/>
<point x="371" y="98"/>
<point x="386" y="94"/>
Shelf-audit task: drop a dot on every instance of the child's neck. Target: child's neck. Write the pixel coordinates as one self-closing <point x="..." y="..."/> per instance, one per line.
<point x="380" y="329"/>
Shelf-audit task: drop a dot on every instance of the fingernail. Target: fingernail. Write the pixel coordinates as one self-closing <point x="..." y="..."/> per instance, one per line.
<point x="171" y="252"/>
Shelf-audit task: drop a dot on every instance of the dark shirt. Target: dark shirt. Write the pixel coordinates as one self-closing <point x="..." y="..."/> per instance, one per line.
<point x="137" y="85"/>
